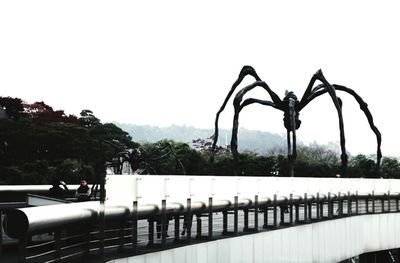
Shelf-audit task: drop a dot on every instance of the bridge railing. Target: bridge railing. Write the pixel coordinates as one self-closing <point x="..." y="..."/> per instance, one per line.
<point x="196" y="207"/>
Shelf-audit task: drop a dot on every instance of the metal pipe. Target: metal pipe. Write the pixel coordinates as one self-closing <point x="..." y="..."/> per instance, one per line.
<point x="31" y="220"/>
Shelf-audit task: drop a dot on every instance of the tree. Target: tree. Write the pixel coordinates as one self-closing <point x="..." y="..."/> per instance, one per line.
<point x="45" y="143"/>
<point x="390" y="168"/>
<point x="12" y="106"/>
<point x="361" y="166"/>
<point x="41" y="112"/>
<point x="88" y="119"/>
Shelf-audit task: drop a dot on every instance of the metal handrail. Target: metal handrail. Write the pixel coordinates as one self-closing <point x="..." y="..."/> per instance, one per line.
<point x="121" y="215"/>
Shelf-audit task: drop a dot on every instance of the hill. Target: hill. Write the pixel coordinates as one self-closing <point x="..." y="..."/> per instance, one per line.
<point x="257" y="141"/>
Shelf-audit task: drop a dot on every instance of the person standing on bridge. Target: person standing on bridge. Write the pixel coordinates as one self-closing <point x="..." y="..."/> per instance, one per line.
<point x="83" y="192"/>
<point x="56" y="191"/>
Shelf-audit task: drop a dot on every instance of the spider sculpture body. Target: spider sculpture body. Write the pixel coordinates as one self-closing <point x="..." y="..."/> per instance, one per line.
<point x="291" y="108"/>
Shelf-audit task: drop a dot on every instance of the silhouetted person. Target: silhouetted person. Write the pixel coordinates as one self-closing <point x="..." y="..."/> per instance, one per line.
<point x="83" y="192"/>
<point x="56" y="191"/>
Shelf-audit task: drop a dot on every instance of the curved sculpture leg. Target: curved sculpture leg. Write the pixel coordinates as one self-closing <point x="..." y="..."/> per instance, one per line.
<point x="234" y="145"/>
<point x="331" y="90"/>
<point x="238" y="108"/>
<point x="364" y="108"/>
<point x="246" y="70"/>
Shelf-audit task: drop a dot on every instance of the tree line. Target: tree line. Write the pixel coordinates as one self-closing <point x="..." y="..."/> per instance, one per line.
<point x="38" y="144"/>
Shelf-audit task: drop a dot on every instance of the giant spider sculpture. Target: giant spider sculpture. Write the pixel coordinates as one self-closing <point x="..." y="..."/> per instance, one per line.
<point x="291" y="108"/>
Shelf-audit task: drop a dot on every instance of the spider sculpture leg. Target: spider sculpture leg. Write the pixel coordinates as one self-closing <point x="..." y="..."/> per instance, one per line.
<point x="238" y="106"/>
<point x="331" y="90"/>
<point x="246" y="70"/>
<point x="364" y="108"/>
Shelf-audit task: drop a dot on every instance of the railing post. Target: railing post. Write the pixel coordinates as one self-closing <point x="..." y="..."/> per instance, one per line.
<point x="57" y="244"/>
<point x="397" y="202"/>
<point x="176" y="228"/>
<point x="246" y="220"/>
<point x="389" y="201"/>
<point x="297" y="210"/>
<point x="318" y="207"/>
<point x="275" y="211"/>
<point x="22" y="242"/>
<point x="121" y="236"/>
<point x="305" y="208"/>
<point x="163" y="223"/>
<point x="265" y="225"/>
<point x="291" y="209"/>
<point x="198" y="220"/>
<point x="151" y="232"/>
<point x="87" y="241"/>
<point x="349" y="205"/>
<point x="1" y="236"/>
<point x="256" y="213"/>
<point x="373" y="202"/>
<point x="235" y="216"/>
<point x="330" y="206"/>
<point x="210" y="218"/>
<point x="282" y="215"/>
<point x="224" y="222"/>
<point x="321" y="209"/>
<point x="188" y="220"/>
<point x="101" y="230"/>
<point x="135" y="227"/>
<point x="356" y="202"/>
<point x="340" y="205"/>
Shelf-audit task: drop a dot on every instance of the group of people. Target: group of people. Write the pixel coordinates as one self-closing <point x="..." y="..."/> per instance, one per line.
<point x="60" y="189"/>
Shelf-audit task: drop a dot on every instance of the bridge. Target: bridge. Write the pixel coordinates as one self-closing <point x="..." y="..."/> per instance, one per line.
<point x="213" y="219"/>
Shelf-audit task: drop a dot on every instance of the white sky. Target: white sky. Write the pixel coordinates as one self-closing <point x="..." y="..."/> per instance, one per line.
<point x="173" y="62"/>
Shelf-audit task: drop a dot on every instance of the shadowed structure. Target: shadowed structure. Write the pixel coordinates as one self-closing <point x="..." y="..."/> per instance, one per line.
<point x="291" y="107"/>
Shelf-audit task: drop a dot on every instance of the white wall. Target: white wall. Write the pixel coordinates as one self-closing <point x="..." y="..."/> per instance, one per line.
<point x="148" y="189"/>
<point x="328" y="241"/>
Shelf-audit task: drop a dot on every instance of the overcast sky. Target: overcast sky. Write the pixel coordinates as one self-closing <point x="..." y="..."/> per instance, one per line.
<point x="173" y="62"/>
